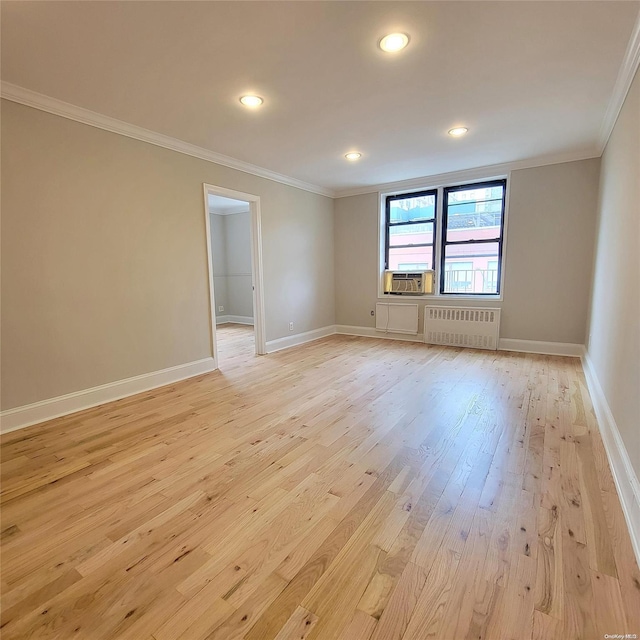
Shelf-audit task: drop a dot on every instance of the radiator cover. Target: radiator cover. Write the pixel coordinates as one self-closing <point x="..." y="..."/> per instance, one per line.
<point x="474" y="327"/>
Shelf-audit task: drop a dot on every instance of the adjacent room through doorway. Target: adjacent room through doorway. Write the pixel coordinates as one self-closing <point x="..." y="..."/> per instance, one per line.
<point x="230" y="229"/>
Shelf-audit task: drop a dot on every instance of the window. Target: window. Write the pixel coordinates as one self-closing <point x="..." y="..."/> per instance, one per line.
<point x="409" y="231"/>
<point x="456" y="231"/>
<point x="472" y="223"/>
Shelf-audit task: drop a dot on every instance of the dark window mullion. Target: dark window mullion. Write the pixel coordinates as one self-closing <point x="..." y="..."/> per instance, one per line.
<point x="476" y="185"/>
<point x="412" y="222"/>
<point x="469" y="256"/>
<point x="443" y="237"/>
<point x="461" y="202"/>
<point x="413" y="194"/>
<point x="410" y="246"/>
<point x="387" y="231"/>
<point x="483" y="241"/>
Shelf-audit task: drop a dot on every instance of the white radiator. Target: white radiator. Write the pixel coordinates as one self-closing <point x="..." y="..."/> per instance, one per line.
<point x="462" y="327"/>
<point x="397" y="318"/>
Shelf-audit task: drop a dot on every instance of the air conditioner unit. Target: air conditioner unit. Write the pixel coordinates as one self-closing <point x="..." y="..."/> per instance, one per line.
<point x="409" y="283"/>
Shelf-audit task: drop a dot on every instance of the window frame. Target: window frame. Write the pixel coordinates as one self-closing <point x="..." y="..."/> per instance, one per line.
<point x="499" y="240"/>
<point x="461" y="179"/>
<point x="388" y="224"/>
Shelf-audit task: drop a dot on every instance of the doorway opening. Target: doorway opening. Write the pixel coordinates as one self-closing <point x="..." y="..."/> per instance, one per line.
<point x="234" y="252"/>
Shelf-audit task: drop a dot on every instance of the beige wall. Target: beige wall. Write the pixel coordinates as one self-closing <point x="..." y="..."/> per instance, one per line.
<point x="549" y="254"/>
<point x="552" y="213"/>
<point x="219" y="258"/>
<point x="614" y="331"/>
<point x="239" y="287"/>
<point x="104" y="272"/>
<point x="356" y="253"/>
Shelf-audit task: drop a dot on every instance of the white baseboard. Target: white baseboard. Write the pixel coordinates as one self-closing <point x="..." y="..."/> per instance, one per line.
<point x="505" y="344"/>
<point x="543" y="348"/>
<point x="299" y="338"/>
<point x="372" y="332"/>
<point x="621" y="468"/>
<point x="234" y="319"/>
<point x="24" y="416"/>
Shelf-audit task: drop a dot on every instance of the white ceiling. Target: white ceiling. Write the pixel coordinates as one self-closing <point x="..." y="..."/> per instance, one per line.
<point x="529" y="79"/>
<point x="222" y="206"/>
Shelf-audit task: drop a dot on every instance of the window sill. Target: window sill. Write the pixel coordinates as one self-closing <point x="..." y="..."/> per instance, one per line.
<point x="441" y="298"/>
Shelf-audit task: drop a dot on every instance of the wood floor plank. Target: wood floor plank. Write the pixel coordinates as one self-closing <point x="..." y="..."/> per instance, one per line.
<point x="361" y="627"/>
<point x="459" y="611"/>
<point x="549" y="589"/>
<point x="599" y="547"/>
<point x="298" y="626"/>
<point x="428" y="613"/>
<point x="545" y="627"/>
<point x="512" y="619"/>
<point x="609" y="608"/>
<point x="347" y="489"/>
<point x="319" y="562"/>
<point x="335" y="596"/>
<point x="578" y="620"/>
<point x="204" y="609"/>
<point x="401" y="604"/>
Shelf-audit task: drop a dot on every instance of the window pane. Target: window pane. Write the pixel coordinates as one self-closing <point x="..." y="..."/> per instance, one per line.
<point x="416" y="208"/>
<point x="411" y="234"/>
<point x="476" y="194"/>
<point x="474" y="214"/>
<point x="410" y="256"/>
<point x="471" y="268"/>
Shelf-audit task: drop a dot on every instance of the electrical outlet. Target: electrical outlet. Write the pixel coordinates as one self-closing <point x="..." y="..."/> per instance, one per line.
<point x="291" y="326"/>
<point x="220" y="308"/>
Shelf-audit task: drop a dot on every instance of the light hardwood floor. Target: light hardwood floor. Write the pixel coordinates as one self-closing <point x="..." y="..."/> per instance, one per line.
<point x="236" y="344"/>
<point x="349" y="489"/>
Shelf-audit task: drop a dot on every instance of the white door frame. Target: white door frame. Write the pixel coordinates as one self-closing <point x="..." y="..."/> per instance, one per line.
<point x="256" y="266"/>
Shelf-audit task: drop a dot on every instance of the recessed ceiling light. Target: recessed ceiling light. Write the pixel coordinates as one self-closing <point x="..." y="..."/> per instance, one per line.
<point x="251" y="101"/>
<point x="458" y="131"/>
<point x="394" y="42"/>
<point x="353" y="155"/>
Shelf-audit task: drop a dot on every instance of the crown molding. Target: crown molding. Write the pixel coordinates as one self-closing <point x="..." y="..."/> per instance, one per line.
<point x="625" y="77"/>
<point x="57" y="107"/>
<point x="29" y="98"/>
<point x="477" y="173"/>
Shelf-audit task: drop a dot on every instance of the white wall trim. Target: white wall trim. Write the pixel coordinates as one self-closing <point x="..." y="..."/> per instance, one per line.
<point x="372" y="332"/>
<point x="299" y="338"/>
<point x="487" y="172"/>
<point x="29" y="414"/>
<point x="85" y="116"/>
<point x="257" y="280"/>
<point x="622" y="470"/>
<point x="627" y="72"/>
<point x="235" y="319"/>
<point x="543" y="348"/>
<point x="505" y="344"/>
